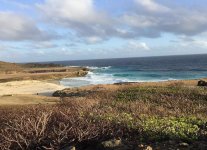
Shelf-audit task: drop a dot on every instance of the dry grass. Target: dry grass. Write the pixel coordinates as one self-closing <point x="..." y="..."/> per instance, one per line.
<point x="26" y="100"/>
<point x="16" y="72"/>
<point x="7" y="68"/>
<point x="48" y="128"/>
<point x="137" y="114"/>
<point x="40" y="76"/>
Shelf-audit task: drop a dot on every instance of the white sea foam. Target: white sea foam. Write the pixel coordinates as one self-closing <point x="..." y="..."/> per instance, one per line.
<point x="98" y="68"/>
<point x="95" y="77"/>
<point x="73" y="66"/>
<point x="98" y="78"/>
<point x="91" y="67"/>
<point x="92" y="79"/>
<point x="106" y="67"/>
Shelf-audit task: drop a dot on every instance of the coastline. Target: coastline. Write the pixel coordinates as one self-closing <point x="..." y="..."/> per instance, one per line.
<point x="33" y="83"/>
<point x="39" y="91"/>
<point x="48" y="87"/>
<point x="87" y="90"/>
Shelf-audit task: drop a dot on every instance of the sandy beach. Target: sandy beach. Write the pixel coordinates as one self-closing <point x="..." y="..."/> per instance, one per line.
<point x="22" y="84"/>
<point x="29" y="87"/>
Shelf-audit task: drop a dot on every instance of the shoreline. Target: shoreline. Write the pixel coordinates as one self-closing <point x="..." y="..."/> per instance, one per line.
<point x="185" y="81"/>
<point x="50" y="86"/>
<point x="108" y="88"/>
<point x="25" y="92"/>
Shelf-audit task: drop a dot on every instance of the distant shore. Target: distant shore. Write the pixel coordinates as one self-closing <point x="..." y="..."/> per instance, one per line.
<point x="47" y="87"/>
<point x="44" y="74"/>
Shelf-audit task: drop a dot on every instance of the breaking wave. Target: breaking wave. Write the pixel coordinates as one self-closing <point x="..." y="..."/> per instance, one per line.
<point x="95" y="77"/>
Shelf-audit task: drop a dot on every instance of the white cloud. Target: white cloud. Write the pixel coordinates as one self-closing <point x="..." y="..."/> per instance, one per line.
<point x="76" y="14"/>
<point x="93" y="40"/>
<point x="138" y="45"/>
<point x="152" y="6"/>
<point x="41" y="45"/>
<point x="139" y="21"/>
<point x="2" y="48"/>
<point x="16" y="27"/>
<point x="40" y="52"/>
<point x="202" y="43"/>
<point x="74" y="10"/>
<point x="92" y="25"/>
<point x="186" y="41"/>
<point x="80" y="16"/>
<point x="181" y="22"/>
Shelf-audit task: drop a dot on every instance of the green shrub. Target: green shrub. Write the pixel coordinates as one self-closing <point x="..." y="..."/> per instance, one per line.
<point x="151" y="93"/>
<point x="172" y="128"/>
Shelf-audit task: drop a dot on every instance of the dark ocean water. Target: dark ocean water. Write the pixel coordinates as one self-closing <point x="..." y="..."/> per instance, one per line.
<point x="108" y="71"/>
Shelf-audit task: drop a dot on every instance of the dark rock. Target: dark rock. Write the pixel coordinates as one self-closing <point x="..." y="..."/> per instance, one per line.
<point x="148" y="148"/>
<point x="59" y="93"/>
<point x="82" y="73"/>
<point x="111" y="143"/>
<point x="184" y="145"/>
<point x="125" y="83"/>
<point x="200" y="145"/>
<point x="202" y="83"/>
<point x="115" y="144"/>
<point x="171" y="142"/>
<point x="144" y="147"/>
<point x="70" y="148"/>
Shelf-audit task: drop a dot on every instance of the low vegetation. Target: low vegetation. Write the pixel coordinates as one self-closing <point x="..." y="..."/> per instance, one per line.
<point x="35" y="71"/>
<point x="39" y="65"/>
<point x="137" y="115"/>
<point x="10" y="68"/>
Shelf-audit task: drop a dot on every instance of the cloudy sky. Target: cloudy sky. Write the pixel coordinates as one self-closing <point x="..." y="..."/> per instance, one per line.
<point x="50" y="30"/>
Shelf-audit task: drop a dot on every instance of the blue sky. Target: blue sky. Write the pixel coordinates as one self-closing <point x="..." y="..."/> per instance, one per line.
<point x="52" y="30"/>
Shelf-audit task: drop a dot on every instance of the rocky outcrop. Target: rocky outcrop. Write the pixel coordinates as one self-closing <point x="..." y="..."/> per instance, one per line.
<point x="82" y="73"/>
<point x="83" y="91"/>
<point x="114" y="144"/>
<point x="202" y="83"/>
<point x="72" y="92"/>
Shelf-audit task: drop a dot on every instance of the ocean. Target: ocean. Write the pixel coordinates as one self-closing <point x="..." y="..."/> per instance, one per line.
<point x="143" y="69"/>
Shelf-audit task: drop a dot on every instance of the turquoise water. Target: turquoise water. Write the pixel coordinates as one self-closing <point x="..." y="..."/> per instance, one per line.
<point x="117" y="75"/>
<point x="109" y="71"/>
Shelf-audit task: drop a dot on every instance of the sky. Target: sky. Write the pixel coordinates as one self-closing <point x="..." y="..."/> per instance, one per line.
<point x="54" y="30"/>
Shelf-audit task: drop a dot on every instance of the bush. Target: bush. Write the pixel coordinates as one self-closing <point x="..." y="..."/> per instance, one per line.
<point x="172" y="128"/>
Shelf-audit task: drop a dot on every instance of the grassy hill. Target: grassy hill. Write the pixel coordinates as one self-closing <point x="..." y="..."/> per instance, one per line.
<point x="6" y="67"/>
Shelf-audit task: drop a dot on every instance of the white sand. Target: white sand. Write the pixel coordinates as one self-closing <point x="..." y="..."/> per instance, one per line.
<point x="29" y="87"/>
